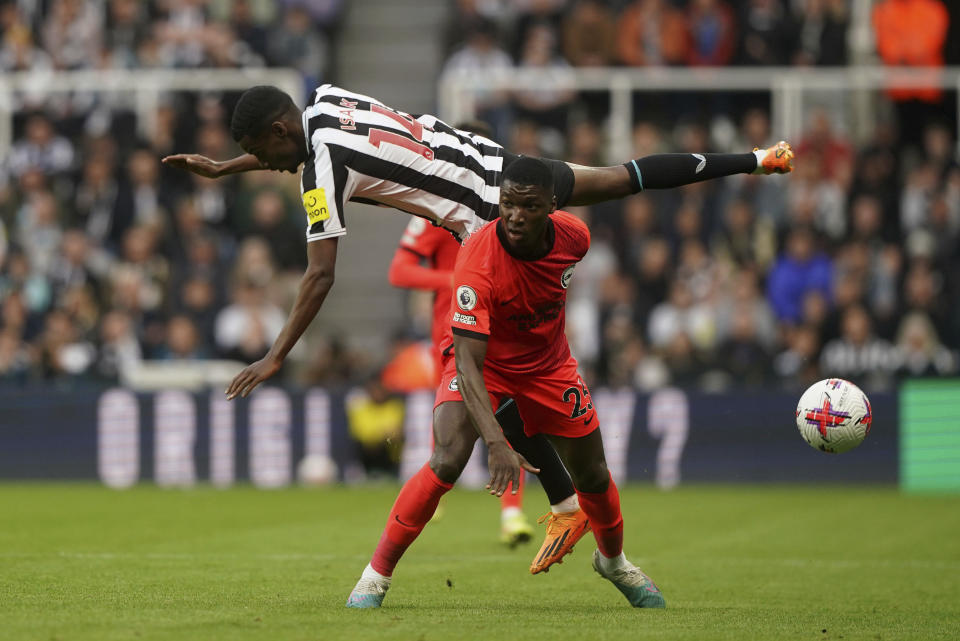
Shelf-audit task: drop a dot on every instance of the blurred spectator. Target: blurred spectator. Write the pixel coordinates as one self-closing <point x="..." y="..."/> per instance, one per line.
<point x="375" y="422"/>
<point x="920" y="350"/>
<point x="652" y="33"/>
<point x="72" y="266"/>
<point x="18" y="49"/>
<point x="857" y="354"/>
<point x="482" y="57"/>
<point x="911" y="33"/>
<point x="270" y="220"/>
<point x="40" y="232"/>
<point x="798" y="366"/>
<point x="183" y="340"/>
<point x="96" y="208"/>
<point x="833" y="151"/>
<point x="41" y="148"/>
<point x="800" y="269"/>
<point x="712" y="33"/>
<point x="21" y="286"/>
<point x="680" y="315"/>
<point x="141" y="194"/>
<point x="546" y="103"/>
<point x="73" y="32"/>
<point x="589" y="35"/>
<point x="246" y="329"/>
<point x="15" y="357"/>
<point x="198" y="301"/>
<point x="767" y="33"/>
<point x="742" y="354"/>
<point x="823" y="33"/>
<point x="119" y="348"/>
<point x="412" y="366"/>
<point x="127" y="29"/>
<point x="62" y="354"/>
<point x="294" y="43"/>
<point x="247" y="28"/>
<point x="140" y="277"/>
<point x="742" y="240"/>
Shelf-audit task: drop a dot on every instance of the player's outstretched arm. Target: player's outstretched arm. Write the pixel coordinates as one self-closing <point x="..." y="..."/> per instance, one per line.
<point x="504" y="464"/>
<point x="203" y="166"/>
<point x="665" y="171"/>
<point x="407" y="272"/>
<point x="316" y="283"/>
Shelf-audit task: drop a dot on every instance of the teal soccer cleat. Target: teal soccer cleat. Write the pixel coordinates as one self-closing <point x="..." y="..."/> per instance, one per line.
<point x="640" y="591"/>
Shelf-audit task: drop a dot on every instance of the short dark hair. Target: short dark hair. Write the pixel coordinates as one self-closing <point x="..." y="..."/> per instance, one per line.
<point x="258" y="106"/>
<point x="526" y="170"/>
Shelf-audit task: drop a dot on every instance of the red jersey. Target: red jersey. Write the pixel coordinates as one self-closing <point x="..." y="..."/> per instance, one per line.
<point x="518" y="305"/>
<point x="438" y="248"/>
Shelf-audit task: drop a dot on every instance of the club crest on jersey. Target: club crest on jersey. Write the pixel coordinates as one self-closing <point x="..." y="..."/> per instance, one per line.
<point x="453" y="386"/>
<point x="466" y="297"/>
<point x="566" y="276"/>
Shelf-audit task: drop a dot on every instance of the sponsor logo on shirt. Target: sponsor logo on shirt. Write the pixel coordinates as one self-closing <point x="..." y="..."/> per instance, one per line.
<point x="466" y="297"/>
<point x="544" y="313"/>
<point x="315" y="202"/>
<point x="566" y="276"/>
<point x="453" y="386"/>
<point x="463" y="318"/>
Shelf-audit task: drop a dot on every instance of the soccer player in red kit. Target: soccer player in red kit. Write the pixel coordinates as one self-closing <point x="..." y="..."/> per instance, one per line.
<point x="508" y="334"/>
<point x="425" y="260"/>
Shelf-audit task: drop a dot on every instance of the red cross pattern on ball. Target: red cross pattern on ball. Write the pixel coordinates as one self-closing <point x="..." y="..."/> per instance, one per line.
<point x="825" y="417"/>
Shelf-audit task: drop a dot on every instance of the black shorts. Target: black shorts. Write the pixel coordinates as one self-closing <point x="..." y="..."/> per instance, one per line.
<point x="562" y="177"/>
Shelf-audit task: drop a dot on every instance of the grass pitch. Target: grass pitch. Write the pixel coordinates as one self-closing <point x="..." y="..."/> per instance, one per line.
<point x="741" y="563"/>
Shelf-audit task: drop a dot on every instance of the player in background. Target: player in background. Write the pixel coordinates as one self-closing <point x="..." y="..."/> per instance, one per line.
<point x="355" y="148"/>
<point x="508" y="323"/>
<point x="425" y="259"/>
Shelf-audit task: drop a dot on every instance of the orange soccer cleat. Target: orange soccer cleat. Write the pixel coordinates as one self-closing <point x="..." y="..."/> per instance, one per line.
<point x="777" y="159"/>
<point x="563" y="532"/>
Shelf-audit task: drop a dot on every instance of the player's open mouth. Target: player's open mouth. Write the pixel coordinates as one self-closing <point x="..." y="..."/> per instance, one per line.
<point x="515" y="234"/>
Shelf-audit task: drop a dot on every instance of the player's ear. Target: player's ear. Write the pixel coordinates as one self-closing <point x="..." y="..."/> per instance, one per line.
<point x="279" y="128"/>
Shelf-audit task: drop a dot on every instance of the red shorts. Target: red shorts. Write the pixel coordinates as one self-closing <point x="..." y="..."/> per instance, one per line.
<point x="555" y="402"/>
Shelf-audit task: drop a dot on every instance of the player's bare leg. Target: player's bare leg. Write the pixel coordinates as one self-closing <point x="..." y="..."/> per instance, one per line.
<point x="665" y="171"/>
<point x="454" y="438"/>
<point x="600" y="499"/>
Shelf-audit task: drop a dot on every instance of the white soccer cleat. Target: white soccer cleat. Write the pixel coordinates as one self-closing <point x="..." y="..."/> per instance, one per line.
<point x="369" y="590"/>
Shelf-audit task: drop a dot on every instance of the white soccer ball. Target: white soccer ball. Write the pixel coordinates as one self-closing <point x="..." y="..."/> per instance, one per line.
<point x="316" y="469"/>
<point x="834" y="416"/>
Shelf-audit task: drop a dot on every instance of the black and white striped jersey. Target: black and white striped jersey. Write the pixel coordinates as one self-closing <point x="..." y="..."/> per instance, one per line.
<point x="363" y="151"/>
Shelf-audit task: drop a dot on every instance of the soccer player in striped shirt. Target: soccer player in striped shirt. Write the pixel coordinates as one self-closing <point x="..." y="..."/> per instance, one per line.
<point x="507" y="322"/>
<point x="355" y="148"/>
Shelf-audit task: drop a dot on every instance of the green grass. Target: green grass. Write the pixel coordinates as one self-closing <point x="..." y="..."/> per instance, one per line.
<point x="735" y="562"/>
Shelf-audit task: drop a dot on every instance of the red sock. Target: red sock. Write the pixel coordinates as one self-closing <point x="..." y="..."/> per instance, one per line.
<point x="414" y="506"/>
<point x="603" y="510"/>
<point x="509" y="499"/>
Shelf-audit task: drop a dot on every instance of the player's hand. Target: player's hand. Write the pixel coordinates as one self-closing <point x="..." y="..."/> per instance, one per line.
<point x="251" y="376"/>
<point x="200" y="165"/>
<point x="505" y="466"/>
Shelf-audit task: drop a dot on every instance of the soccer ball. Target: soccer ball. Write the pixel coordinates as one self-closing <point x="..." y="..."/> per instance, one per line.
<point x="834" y="416"/>
<point x="317" y="470"/>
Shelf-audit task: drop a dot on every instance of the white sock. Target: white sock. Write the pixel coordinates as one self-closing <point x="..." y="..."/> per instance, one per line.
<point x="509" y="512"/>
<point x="611" y="565"/>
<point x="760" y="153"/>
<point x="372" y="575"/>
<point x="567" y="505"/>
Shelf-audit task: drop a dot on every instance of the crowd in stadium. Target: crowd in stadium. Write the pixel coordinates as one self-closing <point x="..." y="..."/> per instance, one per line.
<point x="845" y="268"/>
